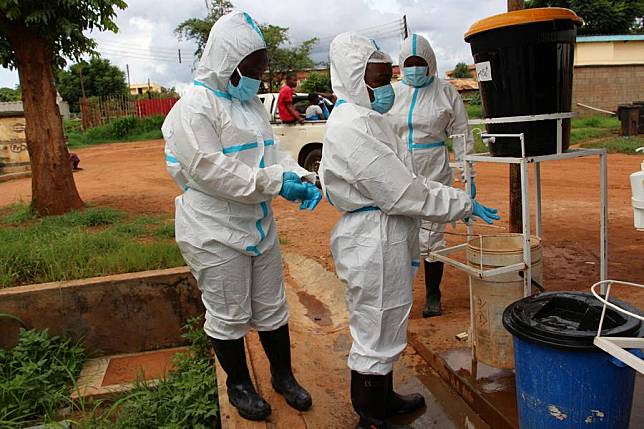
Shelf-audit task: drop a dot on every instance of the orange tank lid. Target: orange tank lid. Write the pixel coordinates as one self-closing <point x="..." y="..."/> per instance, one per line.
<point x="521" y="17"/>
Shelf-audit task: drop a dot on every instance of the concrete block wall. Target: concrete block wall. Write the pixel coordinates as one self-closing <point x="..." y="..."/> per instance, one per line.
<point x="124" y="313"/>
<point x="606" y="87"/>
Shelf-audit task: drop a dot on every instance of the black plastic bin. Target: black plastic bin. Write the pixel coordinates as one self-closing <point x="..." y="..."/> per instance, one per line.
<point x="530" y="72"/>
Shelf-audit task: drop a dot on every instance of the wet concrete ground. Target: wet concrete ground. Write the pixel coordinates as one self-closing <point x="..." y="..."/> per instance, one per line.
<point x="457" y="397"/>
<point x="320" y="344"/>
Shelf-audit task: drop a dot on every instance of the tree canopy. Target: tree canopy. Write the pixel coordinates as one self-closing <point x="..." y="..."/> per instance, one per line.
<point x="317" y="82"/>
<point x="282" y="57"/>
<point x="602" y="16"/>
<point x="198" y="29"/>
<point x="10" y="94"/>
<point x="60" y="22"/>
<point x="100" y="79"/>
<point x="461" y="71"/>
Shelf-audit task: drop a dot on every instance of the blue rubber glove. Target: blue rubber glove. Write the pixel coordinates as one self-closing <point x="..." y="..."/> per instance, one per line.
<point x="292" y="187"/>
<point x="472" y="188"/>
<point x="313" y="197"/>
<point x="489" y="215"/>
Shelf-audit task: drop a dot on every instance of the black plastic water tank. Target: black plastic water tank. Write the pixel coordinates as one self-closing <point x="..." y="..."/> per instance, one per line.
<point x="525" y="67"/>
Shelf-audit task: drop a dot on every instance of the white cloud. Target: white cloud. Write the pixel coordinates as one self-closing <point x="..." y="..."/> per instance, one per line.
<point x="147" y="43"/>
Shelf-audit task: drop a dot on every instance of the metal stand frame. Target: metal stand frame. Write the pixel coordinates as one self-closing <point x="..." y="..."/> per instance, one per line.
<point x="524" y="161"/>
<point x="618" y="346"/>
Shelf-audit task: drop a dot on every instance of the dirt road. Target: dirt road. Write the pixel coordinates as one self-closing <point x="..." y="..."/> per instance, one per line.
<point x="132" y="177"/>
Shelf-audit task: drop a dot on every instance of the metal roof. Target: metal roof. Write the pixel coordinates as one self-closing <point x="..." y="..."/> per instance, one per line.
<point x="614" y="38"/>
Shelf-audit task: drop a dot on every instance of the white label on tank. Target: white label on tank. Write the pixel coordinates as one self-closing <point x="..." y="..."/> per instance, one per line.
<point x="484" y="71"/>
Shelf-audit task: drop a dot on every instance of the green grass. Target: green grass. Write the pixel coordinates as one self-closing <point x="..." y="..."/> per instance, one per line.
<point x="35" y="377"/>
<point x="129" y="128"/>
<point x="88" y="243"/>
<point x="187" y="398"/>
<point x="474" y="111"/>
<point x="625" y="145"/>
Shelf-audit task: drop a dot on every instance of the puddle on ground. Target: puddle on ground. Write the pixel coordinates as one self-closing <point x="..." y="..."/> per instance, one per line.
<point x="319" y="291"/>
<point x="496" y="385"/>
<point x="315" y="309"/>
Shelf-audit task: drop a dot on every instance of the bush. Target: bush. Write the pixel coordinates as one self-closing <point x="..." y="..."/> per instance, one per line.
<point x="187" y="398"/>
<point x="461" y="71"/>
<point x="122" y="127"/>
<point x="35" y="377"/>
<point x="317" y="82"/>
<point x="127" y="128"/>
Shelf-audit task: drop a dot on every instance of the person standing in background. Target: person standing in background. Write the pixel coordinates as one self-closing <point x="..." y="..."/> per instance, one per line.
<point x="427" y="111"/>
<point x="288" y="112"/>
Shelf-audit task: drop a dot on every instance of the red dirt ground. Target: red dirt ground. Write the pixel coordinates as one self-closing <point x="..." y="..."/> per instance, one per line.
<point x="132" y="177"/>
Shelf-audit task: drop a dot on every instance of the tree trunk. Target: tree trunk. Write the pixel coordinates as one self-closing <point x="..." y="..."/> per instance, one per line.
<point x="52" y="184"/>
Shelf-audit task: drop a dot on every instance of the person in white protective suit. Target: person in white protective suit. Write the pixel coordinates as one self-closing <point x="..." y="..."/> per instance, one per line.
<point x="427" y="111"/>
<point x="366" y="174"/>
<point x="221" y="151"/>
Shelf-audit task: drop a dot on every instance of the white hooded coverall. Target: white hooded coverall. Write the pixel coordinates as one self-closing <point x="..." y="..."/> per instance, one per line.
<point x="424" y="118"/>
<point x="366" y="173"/>
<point x="223" y="154"/>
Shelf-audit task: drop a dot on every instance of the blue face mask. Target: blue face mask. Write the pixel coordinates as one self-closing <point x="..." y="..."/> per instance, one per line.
<point x="384" y="97"/>
<point x="417" y="76"/>
<point x="246" y="88"/>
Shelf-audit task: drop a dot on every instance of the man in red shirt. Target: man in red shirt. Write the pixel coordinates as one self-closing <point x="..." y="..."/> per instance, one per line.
<point x="287" y="111"/>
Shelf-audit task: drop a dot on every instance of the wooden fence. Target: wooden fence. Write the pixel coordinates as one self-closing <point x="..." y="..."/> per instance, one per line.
<point x="101" y="110"/>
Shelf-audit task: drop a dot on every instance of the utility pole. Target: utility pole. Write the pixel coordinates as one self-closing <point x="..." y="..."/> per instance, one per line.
<point x="405" y="28"/>
<point x="179" y="51"/>
<point x="516" y="218"/>
<point x="127" y="69"/>
<point x="80" y="73"/>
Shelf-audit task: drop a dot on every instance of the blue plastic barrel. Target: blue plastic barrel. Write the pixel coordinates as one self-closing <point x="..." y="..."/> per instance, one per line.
<point x="562" y="379"/>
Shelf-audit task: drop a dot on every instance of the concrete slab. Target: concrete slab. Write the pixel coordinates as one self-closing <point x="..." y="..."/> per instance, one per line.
<point x="491" y="391"/>
<point x="320" y="344"/>
<point x="15" y="176"/>
<point x="109" y="376"/>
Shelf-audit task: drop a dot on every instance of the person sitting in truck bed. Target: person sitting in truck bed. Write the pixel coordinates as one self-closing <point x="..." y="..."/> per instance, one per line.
<point x="288" y="112"/>
<point x="317" y="110"/>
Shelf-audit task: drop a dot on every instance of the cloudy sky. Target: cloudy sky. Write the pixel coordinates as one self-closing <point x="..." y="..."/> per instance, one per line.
<point x="147" y="44"/>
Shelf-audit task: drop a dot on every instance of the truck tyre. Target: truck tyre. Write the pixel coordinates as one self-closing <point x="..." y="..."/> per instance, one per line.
<point x="312" y="160"/>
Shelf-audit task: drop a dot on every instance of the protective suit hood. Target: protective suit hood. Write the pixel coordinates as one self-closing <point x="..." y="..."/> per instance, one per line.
<point x="349" y="54"/>
<point x="417" y="46"/>
<point x="233" y="37"/>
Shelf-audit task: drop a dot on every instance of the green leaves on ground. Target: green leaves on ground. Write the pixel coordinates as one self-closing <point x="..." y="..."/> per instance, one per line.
<point x="187" y="398"/>
<point x="35" y="377"/>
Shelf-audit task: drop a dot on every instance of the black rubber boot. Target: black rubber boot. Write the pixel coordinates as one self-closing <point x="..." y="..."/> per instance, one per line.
<point x="369" y="400"/>
<point x="433" y="277"/>
<point x="277" y="345"/>
<point x="241" y="392"/>
<point x="401" y="404"/>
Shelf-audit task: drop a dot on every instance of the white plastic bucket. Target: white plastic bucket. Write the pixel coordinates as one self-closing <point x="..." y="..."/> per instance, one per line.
<point x="491" y="296"/>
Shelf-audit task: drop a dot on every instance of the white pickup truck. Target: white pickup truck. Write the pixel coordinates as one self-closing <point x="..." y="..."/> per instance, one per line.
<point x="303" y="142"/>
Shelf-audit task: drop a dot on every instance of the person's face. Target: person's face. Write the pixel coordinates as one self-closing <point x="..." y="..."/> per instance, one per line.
<point x="253" y="66"/>
<point x="291" y="81"/>
<point x="415" y="61"/>
<point x="377" y="74"/>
